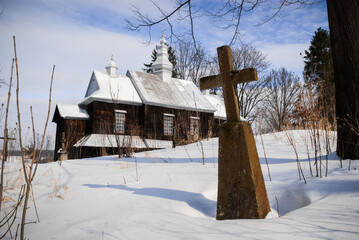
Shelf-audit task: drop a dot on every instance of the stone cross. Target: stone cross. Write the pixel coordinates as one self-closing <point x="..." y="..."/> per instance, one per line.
<point x="228" y="80"/>
<point x="7" y="139"/>
<point x="241" y="188"/>
<point x="63" y="153"/>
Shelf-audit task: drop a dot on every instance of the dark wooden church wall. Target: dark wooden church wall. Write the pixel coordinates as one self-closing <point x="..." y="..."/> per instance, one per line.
<point x="153" y="126"/>
<point x="74" y="130"/>
<point x="216" y="123"/>
<point x="103" y="118"/>
<point x="153" y="122"/>
<point x="59" y="130"/>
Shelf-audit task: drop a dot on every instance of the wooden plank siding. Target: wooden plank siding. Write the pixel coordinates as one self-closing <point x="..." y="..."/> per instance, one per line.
<point x="102" y="119"/>
<point x="74" y="130"/>
<point x="146" y="121"/>
<point x="153" y="125"/>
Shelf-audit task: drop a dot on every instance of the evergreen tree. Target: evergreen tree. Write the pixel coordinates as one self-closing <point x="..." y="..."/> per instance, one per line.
<point x="318" y="71"/>
<point x="171" y="58"/>
<point x="318" y="58"/>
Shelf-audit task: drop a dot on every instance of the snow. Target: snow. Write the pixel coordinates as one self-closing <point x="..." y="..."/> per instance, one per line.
<point x="156" y="144"/>
<point x="117" y="89"/>
<point x="173" y="196"/>
<point x="218" y="103"/>
<point x="110" y="140"/>
<point x="72" y="111"/>
<point x="176" y="93"/>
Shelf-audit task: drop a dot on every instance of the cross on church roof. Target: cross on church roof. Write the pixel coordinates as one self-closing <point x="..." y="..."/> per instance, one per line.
<point x="228" y="79"/>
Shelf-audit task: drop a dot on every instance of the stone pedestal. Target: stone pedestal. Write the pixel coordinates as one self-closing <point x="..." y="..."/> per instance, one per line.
<point x="63" y="156"/>
<point x="241" y="189"/>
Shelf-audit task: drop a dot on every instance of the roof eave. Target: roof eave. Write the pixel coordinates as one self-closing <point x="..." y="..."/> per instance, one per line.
<point x="90" y="99"/>
<point x="181" y="107"/>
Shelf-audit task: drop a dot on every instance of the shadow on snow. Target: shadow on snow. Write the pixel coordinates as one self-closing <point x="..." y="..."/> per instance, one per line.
<point x="195" y="200"/>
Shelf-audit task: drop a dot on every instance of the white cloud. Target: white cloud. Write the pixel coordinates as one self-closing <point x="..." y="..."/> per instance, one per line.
<point x="286" y="55"/>
<point x="76" y="50"/>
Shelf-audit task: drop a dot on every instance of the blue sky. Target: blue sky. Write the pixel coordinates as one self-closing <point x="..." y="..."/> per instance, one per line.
<point x="79" y="36"/>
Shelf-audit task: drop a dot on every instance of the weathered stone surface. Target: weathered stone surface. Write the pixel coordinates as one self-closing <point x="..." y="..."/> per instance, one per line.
<point x="228" y="78"/>
<point x="241" y="189"/>
<point x="63" y="156"/>
<point x="241" y="76"/>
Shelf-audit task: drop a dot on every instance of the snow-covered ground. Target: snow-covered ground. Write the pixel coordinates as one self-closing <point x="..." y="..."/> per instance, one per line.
<point x="173" y="196"/>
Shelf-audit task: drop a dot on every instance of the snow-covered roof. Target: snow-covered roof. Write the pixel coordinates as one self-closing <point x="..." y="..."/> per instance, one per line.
<point x="217" y="102"/>
<point x="72" y="111"/>
<point x="176" y="93"/>
<point x="110" y="140"/>
<point x="117" y="89"/>
<point x="157" y="144"/>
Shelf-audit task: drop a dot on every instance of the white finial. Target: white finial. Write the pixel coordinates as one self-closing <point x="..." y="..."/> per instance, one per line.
<point x="163" y="40"/>
<point x="162" y="67"/>
<point x="111" y="68"/>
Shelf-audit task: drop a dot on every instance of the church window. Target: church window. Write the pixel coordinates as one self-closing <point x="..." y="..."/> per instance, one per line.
<point x="168" y="124"/>
<point x="194" y="127"/>
<point x="120" y="121"/>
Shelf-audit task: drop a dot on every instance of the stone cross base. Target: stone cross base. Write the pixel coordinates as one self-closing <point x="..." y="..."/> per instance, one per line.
<point x="241" y="189"/>
<point x="63" y="156"/>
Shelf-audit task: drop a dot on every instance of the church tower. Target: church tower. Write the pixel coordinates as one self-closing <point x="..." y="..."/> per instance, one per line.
<point x="111" y="68"/>
<point x="162" y="67"/>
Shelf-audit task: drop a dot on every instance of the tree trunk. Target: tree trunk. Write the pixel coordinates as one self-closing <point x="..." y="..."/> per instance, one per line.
<point x="344" y="36"/>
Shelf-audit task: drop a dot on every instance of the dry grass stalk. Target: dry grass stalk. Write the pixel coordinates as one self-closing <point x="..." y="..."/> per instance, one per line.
<point x="6" y="218"/>
<point x="306" y="144"/>
<point x="10" y="218"/>
<point x="188" y="154"/>
<point x="29" y="171"/>
<point x="137" y="177"/>
<point x="202" y="152"/>
<point x="5" y="136"/>
<point x="276" y="200"/>
<point x="264" y="150"/>
<point x="33" y="200"/>
<point x="292" y="142"/>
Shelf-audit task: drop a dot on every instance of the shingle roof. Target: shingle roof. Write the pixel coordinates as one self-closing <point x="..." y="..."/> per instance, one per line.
<point x="176" y="93"/>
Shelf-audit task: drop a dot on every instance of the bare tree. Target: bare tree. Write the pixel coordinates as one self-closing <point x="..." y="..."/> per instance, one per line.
<point x="225" y="15"/>
<point x="192" y="64"/>
<point x="282" y="88"/>
<point x="250" y="94"/>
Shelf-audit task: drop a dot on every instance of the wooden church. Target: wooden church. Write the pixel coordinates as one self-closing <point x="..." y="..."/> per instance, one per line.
<point x="137" y="112"/>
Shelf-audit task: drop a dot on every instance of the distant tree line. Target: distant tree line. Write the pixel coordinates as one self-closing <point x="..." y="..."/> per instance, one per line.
<point x="278" y="99"/>
<point x="343" y="19"/>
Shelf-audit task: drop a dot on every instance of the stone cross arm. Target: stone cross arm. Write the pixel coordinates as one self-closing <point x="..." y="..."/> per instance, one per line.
<point x="242" y="76"/>
<point x="228" y="80"/>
